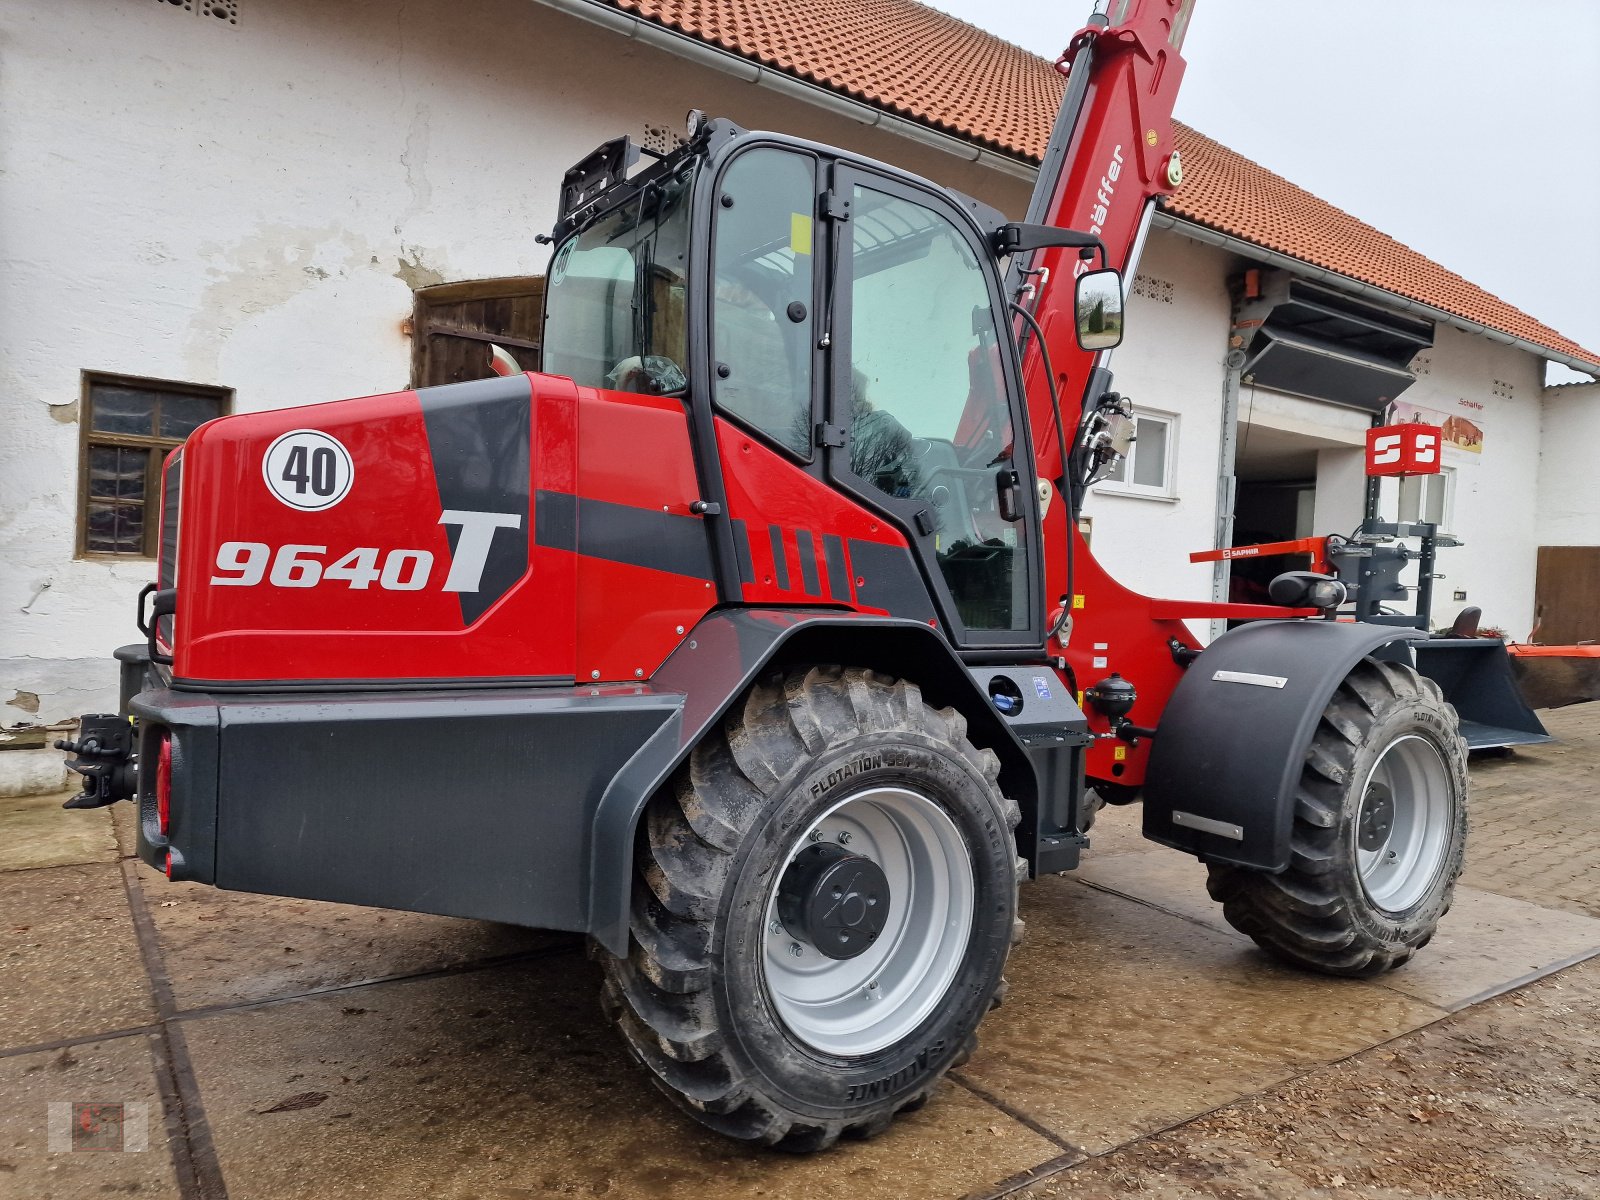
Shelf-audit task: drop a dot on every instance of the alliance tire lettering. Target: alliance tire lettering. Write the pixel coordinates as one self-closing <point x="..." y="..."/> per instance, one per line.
<point x="891" y="1083"/>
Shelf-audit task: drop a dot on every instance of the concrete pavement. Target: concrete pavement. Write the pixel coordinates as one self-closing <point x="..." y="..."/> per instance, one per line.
<point x="288" y="1048"/>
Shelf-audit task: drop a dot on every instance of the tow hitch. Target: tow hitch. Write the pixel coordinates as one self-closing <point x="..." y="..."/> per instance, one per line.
<point x="105" y="759"/>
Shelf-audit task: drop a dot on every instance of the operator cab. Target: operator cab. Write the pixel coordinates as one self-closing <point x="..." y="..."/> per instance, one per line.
<point x="850" y="317"/>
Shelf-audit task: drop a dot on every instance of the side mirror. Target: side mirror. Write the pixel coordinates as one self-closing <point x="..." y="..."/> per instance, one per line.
<point x="1099" y="309"/>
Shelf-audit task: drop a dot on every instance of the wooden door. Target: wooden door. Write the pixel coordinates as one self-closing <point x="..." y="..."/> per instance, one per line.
<point x="1567" y="595"/>
<point x="455" y="324"/>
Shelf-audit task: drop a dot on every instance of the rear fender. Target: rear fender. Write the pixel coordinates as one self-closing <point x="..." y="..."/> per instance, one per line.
<point x="717" y="663"/>
<point x="1230" y="746"/>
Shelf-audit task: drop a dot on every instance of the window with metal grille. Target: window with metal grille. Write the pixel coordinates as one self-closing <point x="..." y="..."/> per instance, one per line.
<point x="128" y="426"/>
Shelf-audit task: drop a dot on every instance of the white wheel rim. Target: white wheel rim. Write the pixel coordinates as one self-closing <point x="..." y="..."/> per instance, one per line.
<point x="857" y="1006"/>
<point x="1399" y="864"/>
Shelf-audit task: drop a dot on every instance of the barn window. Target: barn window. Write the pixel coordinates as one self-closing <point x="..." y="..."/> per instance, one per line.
<point x="455" y="327"/>
<point x="128" y="426"/>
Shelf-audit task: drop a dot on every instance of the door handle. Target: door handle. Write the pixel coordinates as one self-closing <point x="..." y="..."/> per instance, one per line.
<point x="1008" y="493"/>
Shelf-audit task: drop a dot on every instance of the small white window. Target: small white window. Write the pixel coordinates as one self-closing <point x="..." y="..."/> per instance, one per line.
<point x="1147" y="471"/>
<point x="1428" y="498"/>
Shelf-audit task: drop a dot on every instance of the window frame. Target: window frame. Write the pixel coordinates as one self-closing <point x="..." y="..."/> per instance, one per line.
<point x="713" y="180"/>
<point x="1446" y="477"/>
<point x="846" y="174"/>
<point x="633" y="192"/>
<point x="89" y="437"/>
<point x="1166" y="491"/>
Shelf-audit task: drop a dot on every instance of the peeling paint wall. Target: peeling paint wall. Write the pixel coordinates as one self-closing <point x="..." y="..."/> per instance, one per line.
<point x="251" y="206"/>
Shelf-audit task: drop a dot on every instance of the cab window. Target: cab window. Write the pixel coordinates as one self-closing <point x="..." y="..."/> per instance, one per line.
<point x="617" y="295"/>
<point x="929" y="422"/>
<point x="761" y="321"/>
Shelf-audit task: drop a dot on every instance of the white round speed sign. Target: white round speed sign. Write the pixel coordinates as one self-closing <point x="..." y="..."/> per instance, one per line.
<point x="308" y="469"/>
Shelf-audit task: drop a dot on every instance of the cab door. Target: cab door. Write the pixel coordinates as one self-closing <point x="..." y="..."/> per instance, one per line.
<point x="925" y="399"/>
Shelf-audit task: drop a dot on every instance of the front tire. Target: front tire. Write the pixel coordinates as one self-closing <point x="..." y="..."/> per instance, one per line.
<point x="1379" y="833"/>
<point x="824" y="905"/>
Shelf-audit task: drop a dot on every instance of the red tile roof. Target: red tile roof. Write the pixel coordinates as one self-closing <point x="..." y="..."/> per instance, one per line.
<point x="911" y="60"/>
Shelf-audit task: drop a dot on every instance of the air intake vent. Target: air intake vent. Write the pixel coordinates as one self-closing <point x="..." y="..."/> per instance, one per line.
<point x="1315" y="342"/>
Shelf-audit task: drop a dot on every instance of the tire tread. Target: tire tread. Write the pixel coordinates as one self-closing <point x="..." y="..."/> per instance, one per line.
<point x="659" y="994"/>
<point x="1299" y="914"/>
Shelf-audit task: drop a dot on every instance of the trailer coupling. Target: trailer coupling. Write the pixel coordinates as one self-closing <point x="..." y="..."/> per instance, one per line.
<point x="105" y="758"/>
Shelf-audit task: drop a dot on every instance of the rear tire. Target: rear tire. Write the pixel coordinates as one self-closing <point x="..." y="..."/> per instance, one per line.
<point x="789" y="1047"/>
<point x="1379" y="833"/>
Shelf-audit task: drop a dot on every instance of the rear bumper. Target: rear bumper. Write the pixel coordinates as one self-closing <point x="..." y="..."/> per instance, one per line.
<point x="472" y="804"/>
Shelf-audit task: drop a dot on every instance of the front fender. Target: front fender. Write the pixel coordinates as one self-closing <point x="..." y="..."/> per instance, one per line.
<point x="1231" y="744"/>
<point x="715" y="665"/>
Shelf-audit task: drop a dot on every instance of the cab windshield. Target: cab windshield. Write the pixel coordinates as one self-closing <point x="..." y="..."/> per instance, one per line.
<point x="615" y="300"/>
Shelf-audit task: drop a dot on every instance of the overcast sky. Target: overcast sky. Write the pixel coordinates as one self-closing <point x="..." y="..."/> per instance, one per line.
<point x="1468" y="129"/>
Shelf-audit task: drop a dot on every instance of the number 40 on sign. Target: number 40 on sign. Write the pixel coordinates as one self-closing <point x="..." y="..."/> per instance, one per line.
<point x="1403" y="450"/>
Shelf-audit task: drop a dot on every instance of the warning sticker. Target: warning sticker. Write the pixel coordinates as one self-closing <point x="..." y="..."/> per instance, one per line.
<point x="800" y="233"/>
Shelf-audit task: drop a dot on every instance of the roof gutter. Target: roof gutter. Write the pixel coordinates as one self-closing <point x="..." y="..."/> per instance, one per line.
<point x="1344" y="283"/>
<point x="698" y="52"/>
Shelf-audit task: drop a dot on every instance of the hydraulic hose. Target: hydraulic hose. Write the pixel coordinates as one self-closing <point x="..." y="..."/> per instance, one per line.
<point x="1061" y="448"/>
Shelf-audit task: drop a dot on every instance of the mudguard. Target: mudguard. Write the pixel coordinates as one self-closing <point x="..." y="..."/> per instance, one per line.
<point x="713" y="667"/>
<point x="1233" y="739"/>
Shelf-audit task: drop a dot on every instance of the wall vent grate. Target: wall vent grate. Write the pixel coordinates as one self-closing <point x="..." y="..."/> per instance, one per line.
<point x="660" y="139"/>
<point x="220" y="10"/>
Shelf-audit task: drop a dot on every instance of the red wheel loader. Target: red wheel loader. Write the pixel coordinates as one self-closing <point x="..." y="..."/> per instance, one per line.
<point x="755" y="638"/>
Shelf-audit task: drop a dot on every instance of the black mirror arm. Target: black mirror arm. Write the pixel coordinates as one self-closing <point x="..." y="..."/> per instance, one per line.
<point x="1020" y="237"/>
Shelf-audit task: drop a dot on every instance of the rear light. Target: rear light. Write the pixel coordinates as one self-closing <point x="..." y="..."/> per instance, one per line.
<point x="164" y="785"/>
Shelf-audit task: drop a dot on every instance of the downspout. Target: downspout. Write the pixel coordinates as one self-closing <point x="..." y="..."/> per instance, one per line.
<point x="1344" y="283"/>
<point x="1227" y="481"/>
<point x="729" y="63"/>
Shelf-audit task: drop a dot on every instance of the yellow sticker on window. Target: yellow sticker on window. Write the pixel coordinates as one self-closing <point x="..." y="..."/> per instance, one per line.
<point x="800" y="233"/>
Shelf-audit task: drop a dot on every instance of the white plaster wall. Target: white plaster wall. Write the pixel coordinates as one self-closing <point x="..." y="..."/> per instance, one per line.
<point x="1341" y="496"/>
<point x="1496" y="497"/>
<point x="251" y="205"/>
<point x="1569" y="482"/>
<point x="1171" y="362"/>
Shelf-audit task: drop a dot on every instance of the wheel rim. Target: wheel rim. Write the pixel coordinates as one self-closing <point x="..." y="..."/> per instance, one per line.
<point x="1403" y="829"/>
<point x="855" y="1006"/>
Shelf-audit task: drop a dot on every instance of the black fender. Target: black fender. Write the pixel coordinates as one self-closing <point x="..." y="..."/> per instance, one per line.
<point x="717" y="663"/>
<point x="1232" y="741"/>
